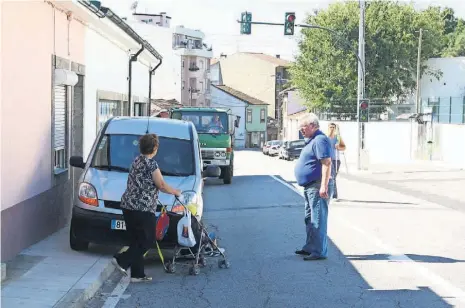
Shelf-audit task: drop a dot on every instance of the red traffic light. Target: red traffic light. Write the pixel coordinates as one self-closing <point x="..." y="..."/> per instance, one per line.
<point x="364" y="105"/>
<point x="291" y="17"/>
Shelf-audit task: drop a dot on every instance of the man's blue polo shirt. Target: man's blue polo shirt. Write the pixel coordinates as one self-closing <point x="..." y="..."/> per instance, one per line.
<point x="308" y="167"/>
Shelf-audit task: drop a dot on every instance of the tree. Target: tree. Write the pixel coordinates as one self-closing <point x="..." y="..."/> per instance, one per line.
<point x="455" y="35"/>
<point x="325" y="71"/>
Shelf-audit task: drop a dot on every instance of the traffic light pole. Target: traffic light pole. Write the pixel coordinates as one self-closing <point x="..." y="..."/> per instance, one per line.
<point x="361" y="84"/>
<point x="360" y="62"/>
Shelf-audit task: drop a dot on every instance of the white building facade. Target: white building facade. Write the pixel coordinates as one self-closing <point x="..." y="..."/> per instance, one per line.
<point x="195" y="66"/>
<point x="106" y="85"/>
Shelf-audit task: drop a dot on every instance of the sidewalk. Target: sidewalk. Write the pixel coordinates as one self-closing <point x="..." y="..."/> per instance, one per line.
<point x="433" y="181"/>
<point x="50" y="274"/>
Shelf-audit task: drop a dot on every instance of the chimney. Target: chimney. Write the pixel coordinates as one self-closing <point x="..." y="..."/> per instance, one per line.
<point x="278" y="56"/>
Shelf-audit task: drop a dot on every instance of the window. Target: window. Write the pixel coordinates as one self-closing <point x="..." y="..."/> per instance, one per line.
<point x="249" y="116"/>
<point x="117" y="152"/>
<point x="201" y="86"/>
<point x="262" y="115"/>
<point x="107" y="110"/>
<point x="183" y="85"/>
<point x="201" y="64"/>
<point x="60" y="130"/>
<point x="183" y="63"/>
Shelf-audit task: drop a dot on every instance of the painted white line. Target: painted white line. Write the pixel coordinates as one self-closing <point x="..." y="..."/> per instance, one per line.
<point x="394" y="254"/>
<point x="115" y="296"/>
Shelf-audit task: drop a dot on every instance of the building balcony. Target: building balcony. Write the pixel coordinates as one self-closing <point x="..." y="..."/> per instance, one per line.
<point x="193" y="52"/>
<point x="194" y="68"/>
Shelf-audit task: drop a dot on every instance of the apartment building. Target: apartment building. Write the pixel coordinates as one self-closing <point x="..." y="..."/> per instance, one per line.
<point x="195" y="66"/>
<point x="185" y="73"/>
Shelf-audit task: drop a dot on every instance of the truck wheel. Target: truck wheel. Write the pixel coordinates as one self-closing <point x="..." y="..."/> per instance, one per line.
<point x="227" y="175"/>
<point x="75" y="243"/>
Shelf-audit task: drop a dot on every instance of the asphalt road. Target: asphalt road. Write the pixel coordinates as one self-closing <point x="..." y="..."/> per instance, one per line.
<point x="386" y="250"/>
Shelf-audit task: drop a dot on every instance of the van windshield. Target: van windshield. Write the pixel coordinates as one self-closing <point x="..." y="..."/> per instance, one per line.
<point x="175" y="157"/>
<point x="205" y="122"/>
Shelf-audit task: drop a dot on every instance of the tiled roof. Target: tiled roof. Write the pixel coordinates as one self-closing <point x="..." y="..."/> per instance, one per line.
<point x="271" y="59"/>
<point x="238" y="94"/>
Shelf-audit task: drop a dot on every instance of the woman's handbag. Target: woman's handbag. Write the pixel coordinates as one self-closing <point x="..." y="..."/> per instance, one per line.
<point x="185" y="234"/>
<point x="162" y="225"/>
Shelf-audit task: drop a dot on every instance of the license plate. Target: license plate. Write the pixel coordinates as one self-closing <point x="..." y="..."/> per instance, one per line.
<point x="118" y="225"/>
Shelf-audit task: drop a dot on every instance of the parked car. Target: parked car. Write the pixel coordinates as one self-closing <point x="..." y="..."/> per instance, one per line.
<point x="96" y="215"/>
<point x="282" y="149"/>
<point x="274" y="148"/>
<point x="293" y="149"/>
<point x="266" y="147"/>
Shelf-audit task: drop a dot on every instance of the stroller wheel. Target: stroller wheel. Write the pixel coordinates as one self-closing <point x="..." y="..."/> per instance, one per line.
<point x="194" y="270"/>
<point x="170" y="267"/>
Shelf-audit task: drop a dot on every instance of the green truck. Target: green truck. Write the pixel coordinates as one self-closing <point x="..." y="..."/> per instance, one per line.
<point x="216" y="129"/>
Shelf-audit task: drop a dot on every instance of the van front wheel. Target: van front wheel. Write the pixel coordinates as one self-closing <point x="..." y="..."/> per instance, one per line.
<point x="75" y="243"/>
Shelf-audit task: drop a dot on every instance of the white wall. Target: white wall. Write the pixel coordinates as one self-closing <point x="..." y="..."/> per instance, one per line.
<point x="215" y="73"/>
<point x="220" y="99"/>
<point x="107" y="70"/>
<point x="167" y="78"/>
<point x="452" y="83"/>
<point x="390" y="142"/>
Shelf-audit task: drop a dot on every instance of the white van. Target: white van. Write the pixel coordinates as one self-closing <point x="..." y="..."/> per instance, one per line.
<point x="96" y="215"/>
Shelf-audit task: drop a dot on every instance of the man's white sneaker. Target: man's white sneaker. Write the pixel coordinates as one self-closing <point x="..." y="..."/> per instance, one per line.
<point x="143" y="279"/>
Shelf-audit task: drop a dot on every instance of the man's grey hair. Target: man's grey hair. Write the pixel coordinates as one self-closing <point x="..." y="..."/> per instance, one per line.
<point x="309" y="118"/>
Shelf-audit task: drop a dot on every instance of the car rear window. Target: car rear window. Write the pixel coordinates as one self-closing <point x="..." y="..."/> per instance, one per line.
<point x="117" y="152"/>
<point x="299" y="143"/>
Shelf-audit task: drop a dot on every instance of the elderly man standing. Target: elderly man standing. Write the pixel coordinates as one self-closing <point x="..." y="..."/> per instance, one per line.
<point x="313" y="172"/>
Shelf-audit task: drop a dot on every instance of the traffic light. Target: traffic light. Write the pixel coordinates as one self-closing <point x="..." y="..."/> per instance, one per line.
<point x="364" y="107"/>
<point x="289" y="23"/>
<point x="246" y="26"/>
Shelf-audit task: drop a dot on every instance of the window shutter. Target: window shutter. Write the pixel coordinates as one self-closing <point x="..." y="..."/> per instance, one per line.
<point x="60" y="117"/>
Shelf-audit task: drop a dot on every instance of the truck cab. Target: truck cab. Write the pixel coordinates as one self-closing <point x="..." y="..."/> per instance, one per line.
<point x="215" y="128"/>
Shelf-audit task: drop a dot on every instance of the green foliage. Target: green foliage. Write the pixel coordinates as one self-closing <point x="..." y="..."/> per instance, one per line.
<point x="325" y="72"/>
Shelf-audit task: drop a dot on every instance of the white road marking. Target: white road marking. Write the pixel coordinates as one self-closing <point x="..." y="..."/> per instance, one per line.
<point x="119" y="289"/>
<point x="117" y="293"/>
<point x="394" y="254"/>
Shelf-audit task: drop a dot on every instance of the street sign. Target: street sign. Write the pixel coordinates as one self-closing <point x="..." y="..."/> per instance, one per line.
<point x="246" y="26"/>
<point x="289" y="23"/>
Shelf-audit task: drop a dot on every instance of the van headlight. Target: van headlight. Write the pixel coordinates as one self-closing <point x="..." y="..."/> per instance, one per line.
<point x="190" y="199"/>
<point x="87" y="194"/>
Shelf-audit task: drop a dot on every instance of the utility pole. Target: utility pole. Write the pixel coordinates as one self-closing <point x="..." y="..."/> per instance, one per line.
<point x="418" y="100"/>
<point x="361" y="82"/>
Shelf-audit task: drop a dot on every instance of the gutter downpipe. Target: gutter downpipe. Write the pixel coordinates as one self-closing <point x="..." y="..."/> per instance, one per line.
<point x="151" y="72"/>
<point x="133" y="58"/>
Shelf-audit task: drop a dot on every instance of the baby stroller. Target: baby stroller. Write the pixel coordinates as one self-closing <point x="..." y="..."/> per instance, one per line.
<point x="194" y="257"/>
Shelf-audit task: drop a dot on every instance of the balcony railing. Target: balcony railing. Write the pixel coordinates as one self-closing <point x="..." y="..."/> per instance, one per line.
<point x="193" y="68"/>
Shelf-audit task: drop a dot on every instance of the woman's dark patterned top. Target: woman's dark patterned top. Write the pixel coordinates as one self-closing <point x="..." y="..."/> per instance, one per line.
<point x="141" y="193"/>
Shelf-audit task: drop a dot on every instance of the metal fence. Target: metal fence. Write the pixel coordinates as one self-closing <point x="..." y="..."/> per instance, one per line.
<point x="444" y="109"/>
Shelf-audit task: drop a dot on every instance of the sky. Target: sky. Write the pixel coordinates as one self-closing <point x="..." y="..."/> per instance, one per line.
<point x="218" y="20"/>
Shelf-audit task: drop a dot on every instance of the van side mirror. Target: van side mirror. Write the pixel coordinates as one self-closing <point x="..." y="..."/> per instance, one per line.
<point x="77" y="161"/>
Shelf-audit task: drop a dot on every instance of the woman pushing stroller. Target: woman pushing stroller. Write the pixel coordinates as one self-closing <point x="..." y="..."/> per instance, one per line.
<point x="139" y="204"/>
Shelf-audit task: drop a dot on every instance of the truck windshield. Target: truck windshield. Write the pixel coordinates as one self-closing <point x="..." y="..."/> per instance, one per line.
<point x="206" y="122"/>
<point x="175" y="157"/>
